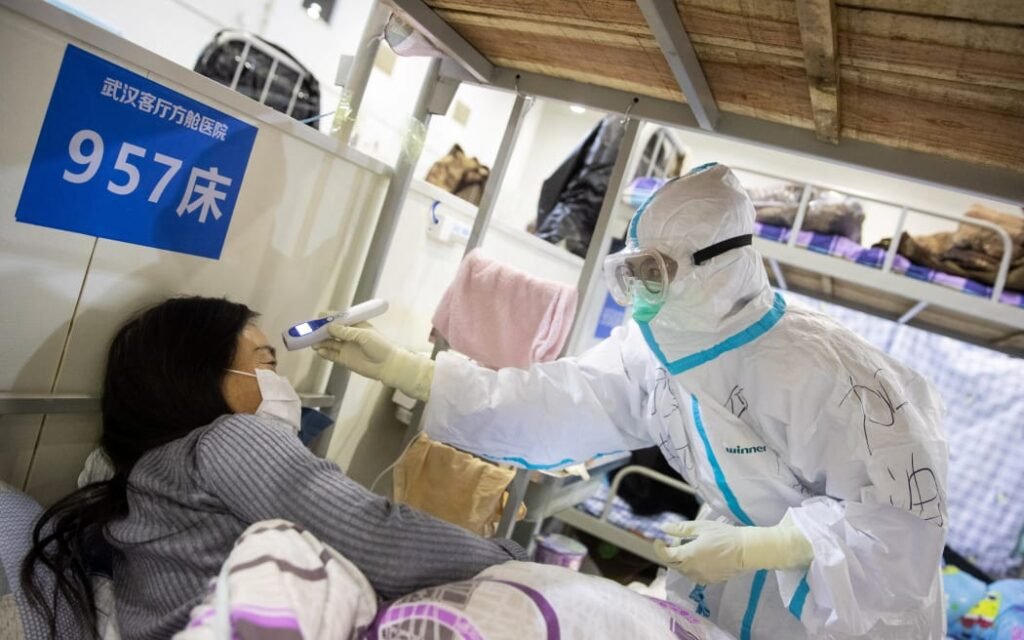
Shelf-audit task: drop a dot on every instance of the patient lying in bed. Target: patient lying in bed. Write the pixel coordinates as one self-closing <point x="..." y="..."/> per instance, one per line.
<point x="281" y="582"/>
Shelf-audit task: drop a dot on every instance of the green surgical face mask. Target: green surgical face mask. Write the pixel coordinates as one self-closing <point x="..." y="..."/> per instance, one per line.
<point x="644" y="310"/>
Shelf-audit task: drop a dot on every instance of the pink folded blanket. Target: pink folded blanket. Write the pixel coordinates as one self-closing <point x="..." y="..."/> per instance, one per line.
<point x="502" y="317"/>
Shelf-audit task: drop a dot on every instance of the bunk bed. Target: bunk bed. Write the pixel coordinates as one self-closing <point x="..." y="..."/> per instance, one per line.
<point x="882" y="282"/>
<point x="926" y="90"/>
<point x="923" y="89"/>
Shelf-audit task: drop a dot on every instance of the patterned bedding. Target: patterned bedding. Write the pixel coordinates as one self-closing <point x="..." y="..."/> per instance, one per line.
<point x="622" y="516"/>
<point x="842" y="247"/>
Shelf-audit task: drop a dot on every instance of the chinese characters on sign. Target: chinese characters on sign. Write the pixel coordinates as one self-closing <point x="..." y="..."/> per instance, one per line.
<point x="122" y="157"/>
<point x="146" y="102"/>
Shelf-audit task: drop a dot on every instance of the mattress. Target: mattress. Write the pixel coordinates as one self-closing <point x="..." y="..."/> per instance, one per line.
<point x="842" y="247"/>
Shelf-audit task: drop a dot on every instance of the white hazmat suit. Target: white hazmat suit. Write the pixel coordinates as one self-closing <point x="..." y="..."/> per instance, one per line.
<point x="771" y="410"/>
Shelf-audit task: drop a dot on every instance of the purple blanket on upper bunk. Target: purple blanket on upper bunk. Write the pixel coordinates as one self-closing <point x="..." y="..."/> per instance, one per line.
<point x="847" y="249"/>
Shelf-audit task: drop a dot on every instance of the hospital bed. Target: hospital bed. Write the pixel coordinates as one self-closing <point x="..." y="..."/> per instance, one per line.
<point x="883" y="283"/>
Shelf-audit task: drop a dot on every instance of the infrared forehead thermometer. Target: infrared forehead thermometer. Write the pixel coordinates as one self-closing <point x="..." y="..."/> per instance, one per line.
<point x="306" y="334"/>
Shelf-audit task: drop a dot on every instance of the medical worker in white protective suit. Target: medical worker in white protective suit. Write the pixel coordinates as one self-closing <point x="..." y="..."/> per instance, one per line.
<point x="823" y="459"/>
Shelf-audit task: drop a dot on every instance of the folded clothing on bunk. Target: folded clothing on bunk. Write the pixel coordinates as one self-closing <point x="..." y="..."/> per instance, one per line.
<point x="502" y="317"/>
<point x="828" y="212"/>
<point x="970" y="252"/>
<point x="845" y="248"/>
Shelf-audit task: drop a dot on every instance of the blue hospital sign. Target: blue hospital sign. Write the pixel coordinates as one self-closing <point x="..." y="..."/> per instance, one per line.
<point x="125" y="158"/>
<point x="612" y="315"/>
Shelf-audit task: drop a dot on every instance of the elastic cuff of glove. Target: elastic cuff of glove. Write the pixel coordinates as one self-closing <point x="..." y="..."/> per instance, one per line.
<point x="411" y="373"/>
<point x="780" y="547"/>
<point x="424" y="380"/>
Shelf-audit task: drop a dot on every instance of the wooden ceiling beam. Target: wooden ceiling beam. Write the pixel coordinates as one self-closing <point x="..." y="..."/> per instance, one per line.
<point x="819" y="37"/>
<point x="1009" y="12"/>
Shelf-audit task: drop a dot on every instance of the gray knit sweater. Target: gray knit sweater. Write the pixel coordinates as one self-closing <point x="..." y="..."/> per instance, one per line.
<point x="190" y="499"/>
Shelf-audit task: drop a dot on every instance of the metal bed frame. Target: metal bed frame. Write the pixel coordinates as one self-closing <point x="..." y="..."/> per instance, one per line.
<point x="601" y="528"/>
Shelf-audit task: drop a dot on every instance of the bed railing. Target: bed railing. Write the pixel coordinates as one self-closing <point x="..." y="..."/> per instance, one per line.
<point x="643" y="471"/>
<point x="890" y="256"/>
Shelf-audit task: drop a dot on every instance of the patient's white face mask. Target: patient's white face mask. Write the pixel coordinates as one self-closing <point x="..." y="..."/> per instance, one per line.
<point x="279" y="397"/>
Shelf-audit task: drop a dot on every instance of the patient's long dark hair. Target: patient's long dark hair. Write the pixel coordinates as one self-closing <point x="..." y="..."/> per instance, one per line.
<point x="163" y="379"/>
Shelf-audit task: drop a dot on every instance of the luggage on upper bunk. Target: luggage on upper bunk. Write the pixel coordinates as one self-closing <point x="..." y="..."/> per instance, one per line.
<point x="970" y="252"/>
<point x="460" y="174"/>
<point x="828" y="212"/>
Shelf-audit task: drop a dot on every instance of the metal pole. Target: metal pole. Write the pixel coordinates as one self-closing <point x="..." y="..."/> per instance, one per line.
<point x="359" y="74"/>
<point x="801" y="212"/>
<point x="894" y="243"/>
<point x="387" y="221"/>
<point x="780" y="279"/>
<point x="912" y="312"/>
<point x="516" y="493"/>
<point x="598" y="249"/>
<point x="596" y="253"/>
<point x="666" y="26"/>
<point x="485" y="211"/>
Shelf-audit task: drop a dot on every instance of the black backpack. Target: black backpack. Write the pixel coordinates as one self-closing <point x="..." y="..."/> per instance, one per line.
<point x="263" y="71"/>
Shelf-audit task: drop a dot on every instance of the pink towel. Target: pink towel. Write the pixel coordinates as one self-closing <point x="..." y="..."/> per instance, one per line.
<point x="502" y="317"/>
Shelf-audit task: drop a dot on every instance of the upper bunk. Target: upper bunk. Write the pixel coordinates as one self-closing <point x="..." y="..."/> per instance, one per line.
<point x="928" y="90"/>
<point x="941" y="81"/>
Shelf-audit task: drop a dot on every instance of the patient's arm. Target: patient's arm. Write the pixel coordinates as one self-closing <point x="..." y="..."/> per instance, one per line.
<point x="261" y="471"/>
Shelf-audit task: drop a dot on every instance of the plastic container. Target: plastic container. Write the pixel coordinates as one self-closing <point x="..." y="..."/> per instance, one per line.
<point x="559" y="550"/>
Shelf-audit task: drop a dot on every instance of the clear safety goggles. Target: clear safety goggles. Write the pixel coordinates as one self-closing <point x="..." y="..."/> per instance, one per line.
<point x="649" y="272"/>
<point x="646" y="270"/>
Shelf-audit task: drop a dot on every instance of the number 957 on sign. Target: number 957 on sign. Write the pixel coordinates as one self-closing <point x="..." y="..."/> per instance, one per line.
<point x="204" y="189"/>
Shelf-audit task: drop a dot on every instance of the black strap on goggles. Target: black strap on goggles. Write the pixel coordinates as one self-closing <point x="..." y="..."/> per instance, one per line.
<point x="719" y="248"/>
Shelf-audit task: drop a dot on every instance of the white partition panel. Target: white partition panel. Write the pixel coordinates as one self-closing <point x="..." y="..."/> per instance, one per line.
<point x="296" y="245"/>
<point x="41" y="270"/>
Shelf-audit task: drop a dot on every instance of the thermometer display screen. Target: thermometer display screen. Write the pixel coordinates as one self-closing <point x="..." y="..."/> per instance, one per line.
<point x="303" y="329"/>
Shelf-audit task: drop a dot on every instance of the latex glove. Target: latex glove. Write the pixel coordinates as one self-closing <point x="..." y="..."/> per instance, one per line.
<point x="719" y="551"/>
<point x="363" y="349"/>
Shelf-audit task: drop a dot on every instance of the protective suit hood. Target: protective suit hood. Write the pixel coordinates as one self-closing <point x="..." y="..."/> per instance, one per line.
<point x="720" y="298"/>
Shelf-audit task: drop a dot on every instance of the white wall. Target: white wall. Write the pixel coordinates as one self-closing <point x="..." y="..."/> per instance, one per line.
<point x="298" y="238"/>
<point x="479" y="136"/>
<point x="179" y="30"/>
<point x="550" y="131"/>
